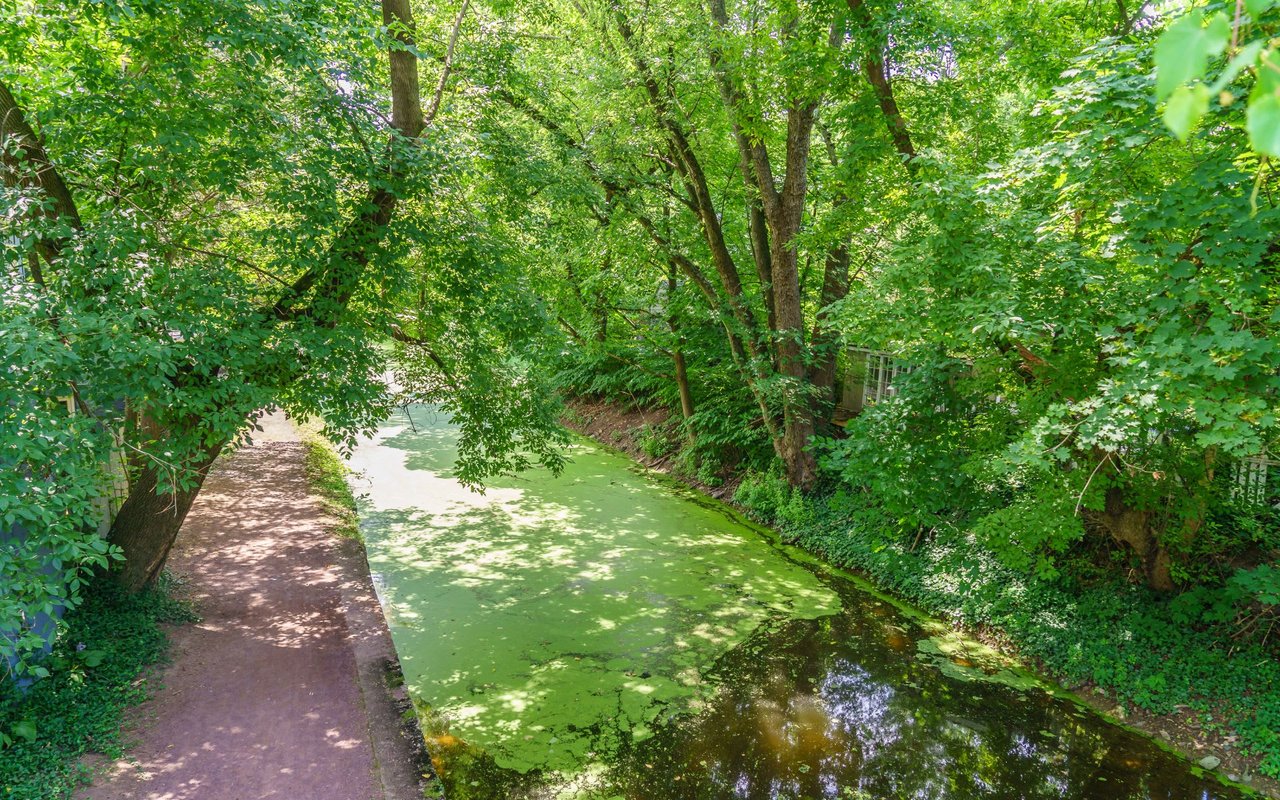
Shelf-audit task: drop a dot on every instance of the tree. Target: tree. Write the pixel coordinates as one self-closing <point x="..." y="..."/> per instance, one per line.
<point x="204" y="224"/>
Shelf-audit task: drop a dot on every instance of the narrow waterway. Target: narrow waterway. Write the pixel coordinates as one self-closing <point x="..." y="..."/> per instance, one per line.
<point x="606" y="634"/>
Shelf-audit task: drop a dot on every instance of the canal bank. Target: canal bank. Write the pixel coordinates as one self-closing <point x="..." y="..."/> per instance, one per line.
<point x="554" y="654"/>
<point x="1210" y="746"/>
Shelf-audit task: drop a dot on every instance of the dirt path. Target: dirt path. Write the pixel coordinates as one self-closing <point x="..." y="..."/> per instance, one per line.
<point x="279" y="692"/>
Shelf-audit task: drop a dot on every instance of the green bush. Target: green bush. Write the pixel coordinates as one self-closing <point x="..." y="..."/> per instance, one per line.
<point x="94" y="667"/>
<point x="655" y="441"/>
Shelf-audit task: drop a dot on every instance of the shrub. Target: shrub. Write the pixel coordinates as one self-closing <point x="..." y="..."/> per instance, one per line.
<point x="94" y="667"/>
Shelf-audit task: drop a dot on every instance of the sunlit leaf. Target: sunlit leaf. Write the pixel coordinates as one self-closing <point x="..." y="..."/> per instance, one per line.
<point x="1186" y="106"/>
<point x="1183" y="50"/>
<point x="1264" y="124"/>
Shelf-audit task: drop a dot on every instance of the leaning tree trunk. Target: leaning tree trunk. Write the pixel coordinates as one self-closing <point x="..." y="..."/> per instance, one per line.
<point x="148" y="522"/>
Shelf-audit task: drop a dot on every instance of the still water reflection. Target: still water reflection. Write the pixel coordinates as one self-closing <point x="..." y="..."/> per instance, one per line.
<point x="844" y="707"/>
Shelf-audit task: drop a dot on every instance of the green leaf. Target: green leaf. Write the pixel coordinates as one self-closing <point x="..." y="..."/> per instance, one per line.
<point x="1257" y="7"/>
<point x="1182" y="53"/>
<point x="1264" y="124"/>
<point x="25" y="729"/>
<point x="1268" y="73"/>
<point x="1185" y="108"/>
<point x="1217" y="34"/>
<point x="92" y="658"/>
<point x="1242" y="60"/>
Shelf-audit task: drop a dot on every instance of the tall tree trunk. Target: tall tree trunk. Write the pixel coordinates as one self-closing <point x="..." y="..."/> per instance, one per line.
<point x="784" y="210"/>
<point x="677" y="352"/>
<point x="148" y="522"/>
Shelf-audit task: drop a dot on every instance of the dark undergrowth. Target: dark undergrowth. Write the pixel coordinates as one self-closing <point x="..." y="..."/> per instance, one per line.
<point x="96" y="672"/>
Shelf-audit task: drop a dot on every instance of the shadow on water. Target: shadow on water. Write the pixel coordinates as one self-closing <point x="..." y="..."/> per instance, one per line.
<point x="599" y="635"/>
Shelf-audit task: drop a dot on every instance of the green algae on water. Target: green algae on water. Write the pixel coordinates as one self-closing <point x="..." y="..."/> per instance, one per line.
<point x="547" y="622"/>
<point x="966" y="659"/>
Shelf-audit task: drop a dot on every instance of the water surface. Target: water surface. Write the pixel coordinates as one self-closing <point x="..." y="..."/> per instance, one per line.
<point x="607" y="634"/>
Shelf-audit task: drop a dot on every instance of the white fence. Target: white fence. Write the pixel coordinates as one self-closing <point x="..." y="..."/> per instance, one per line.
<point x="867" y="377"/>
<point x="1257" y="480"/>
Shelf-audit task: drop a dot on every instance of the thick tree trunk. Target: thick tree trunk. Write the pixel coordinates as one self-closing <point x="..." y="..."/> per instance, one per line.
<point x="784" y="210"/>
<point x="148" y="522"/>
<point x="1133" y="527"/>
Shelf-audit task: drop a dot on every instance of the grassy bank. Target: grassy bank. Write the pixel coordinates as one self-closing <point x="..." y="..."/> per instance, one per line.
<point x="95" y="671"/>
<point x="327" y="475"/>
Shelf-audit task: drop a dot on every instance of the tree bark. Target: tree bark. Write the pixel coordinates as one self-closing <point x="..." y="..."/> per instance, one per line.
<point x="690" y="168"/>
<point x="33" y="169"/>
<point x="677" y="352"/>
<point x="1132" y="527"/>
<point x="147" y="524"/>
<point x="784" y="210"/>
<point x="873" y="65"/>
<point x="757" y="224"/>
<point x="826" y="342"/>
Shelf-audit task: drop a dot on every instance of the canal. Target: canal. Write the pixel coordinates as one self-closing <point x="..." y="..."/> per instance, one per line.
<point x="605" y="634"/>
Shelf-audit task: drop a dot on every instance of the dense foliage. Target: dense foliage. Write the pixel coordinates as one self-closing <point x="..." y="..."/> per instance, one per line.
<point x="208" y="210"/>
<point x="1087" y="306"/>
<point x="96" y="668"/>
<point x="749" y="213"/>
<point x="741" y="198"/>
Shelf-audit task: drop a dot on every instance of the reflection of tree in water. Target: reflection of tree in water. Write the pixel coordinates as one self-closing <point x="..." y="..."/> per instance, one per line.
<point x="823" y="710"/>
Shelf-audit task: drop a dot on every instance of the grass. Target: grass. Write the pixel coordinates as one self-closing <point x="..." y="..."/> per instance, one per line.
<point x="327" y="475"/>
<point x="95" y="668"/>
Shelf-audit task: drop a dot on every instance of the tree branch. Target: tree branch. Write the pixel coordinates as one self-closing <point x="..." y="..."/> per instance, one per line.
<point x="24" y="162"/>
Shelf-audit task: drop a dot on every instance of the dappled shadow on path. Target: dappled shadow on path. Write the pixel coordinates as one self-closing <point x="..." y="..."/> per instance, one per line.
<point x="262" y="699"/>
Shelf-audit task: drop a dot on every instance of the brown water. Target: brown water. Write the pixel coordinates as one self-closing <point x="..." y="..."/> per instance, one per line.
<point x="608" y="635"/>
